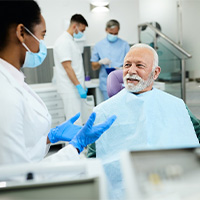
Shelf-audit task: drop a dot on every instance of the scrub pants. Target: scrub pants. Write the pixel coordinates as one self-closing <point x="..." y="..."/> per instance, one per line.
<point x="73" y="104"/>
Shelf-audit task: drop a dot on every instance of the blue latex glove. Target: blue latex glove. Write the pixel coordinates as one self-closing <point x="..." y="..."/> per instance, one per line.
<point x="66" y="131"/>
<point x="89" y="133"/>
<point x="81" y="91"/>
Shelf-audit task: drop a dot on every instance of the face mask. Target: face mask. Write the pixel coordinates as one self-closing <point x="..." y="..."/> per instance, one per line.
<point x="78" y="35"/>
<point x="112" y="38"/>
<point x="35" y="59"/>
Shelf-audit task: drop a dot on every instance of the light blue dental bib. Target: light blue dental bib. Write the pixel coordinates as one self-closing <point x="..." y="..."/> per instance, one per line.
<point x="153" y="119"/>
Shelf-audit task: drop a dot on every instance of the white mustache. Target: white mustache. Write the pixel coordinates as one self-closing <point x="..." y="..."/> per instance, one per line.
<point x="136" y="77"/>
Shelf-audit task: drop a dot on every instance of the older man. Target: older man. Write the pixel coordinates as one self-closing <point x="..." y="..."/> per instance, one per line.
<point x="146" y="117"/>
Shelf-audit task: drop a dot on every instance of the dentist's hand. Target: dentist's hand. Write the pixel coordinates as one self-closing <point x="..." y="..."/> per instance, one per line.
<point x="104" y="61"/>
<point x="66" y="131"/>
<point x="81" y="91"/>
<point x="89" y="133"/>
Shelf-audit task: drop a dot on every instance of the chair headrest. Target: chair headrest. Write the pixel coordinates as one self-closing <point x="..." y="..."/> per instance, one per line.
<point x="114" y="82"/>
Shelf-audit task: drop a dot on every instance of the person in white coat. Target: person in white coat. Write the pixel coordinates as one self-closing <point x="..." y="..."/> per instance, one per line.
<point x="69" y="69"/>
<point x="24" y="119"/>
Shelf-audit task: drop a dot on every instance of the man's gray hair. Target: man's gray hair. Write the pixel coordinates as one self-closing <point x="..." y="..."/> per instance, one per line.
<point x="141" y="45"/>
<point x="112" y="23"/>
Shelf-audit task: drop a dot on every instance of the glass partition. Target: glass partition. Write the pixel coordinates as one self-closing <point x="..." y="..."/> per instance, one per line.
<point x="169" y="61"/>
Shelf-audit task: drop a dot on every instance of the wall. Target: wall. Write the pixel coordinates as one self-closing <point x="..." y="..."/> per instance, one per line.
<point x="165" y="13"/>
<point x="129" y="13"/>
<point x="58" y="13"/>
<point x="191" y="32"/>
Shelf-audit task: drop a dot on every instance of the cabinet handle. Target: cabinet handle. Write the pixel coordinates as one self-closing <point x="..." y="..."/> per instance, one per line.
<point x="55" y="114"/>
<point x="54" y="105"/>
<point x="55" y="96"/>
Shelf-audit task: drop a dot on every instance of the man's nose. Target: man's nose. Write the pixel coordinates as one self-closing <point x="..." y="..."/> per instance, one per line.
<point x="132" y="69"/>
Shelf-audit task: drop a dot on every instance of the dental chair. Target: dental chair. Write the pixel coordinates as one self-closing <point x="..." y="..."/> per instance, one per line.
<point x="115" y="82"/>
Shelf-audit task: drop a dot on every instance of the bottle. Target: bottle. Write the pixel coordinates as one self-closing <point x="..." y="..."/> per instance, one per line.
<point x="87" y="77"/>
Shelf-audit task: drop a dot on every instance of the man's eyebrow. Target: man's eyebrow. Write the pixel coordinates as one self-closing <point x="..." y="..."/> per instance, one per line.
<point x="140" y="61"/>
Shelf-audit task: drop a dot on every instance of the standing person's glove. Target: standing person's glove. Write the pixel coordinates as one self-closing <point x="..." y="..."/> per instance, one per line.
<point x="81" y="91"/>
<point x="89" y="133"/>
<point x="104" y="61"/>
<point x="66" y="131"/>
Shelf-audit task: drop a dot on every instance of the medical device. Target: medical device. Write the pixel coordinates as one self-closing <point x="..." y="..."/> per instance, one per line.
<point x="65" y="180"/>
<point x="168" y="174"/>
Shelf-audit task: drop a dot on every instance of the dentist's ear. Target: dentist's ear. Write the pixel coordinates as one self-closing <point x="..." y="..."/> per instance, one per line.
<point x="20" y="32"/>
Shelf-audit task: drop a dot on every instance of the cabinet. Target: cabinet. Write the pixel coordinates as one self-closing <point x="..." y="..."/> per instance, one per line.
<point x="93" y="88"/>
<point x="48" y="93"/>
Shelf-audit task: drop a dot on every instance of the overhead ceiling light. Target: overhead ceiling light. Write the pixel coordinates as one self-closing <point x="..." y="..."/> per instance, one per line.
<point x="99" y="6"/>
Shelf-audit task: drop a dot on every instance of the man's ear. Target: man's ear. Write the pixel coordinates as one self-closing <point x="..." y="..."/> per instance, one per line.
<point x="74" y="25"/>
<point x="20" y="31"/>
<point x="156" y="72"/>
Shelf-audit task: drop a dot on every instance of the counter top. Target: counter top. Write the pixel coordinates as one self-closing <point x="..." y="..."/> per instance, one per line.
<point x="43" y="87"/>
<point x="47" y="87"/>
<point x="93" y="83"/>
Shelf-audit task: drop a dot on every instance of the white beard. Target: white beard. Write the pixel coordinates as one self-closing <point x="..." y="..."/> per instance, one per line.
<point x="142" y="84"/>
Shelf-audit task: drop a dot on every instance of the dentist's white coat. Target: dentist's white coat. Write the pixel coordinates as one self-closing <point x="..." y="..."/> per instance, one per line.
<point x="24" y="125"/>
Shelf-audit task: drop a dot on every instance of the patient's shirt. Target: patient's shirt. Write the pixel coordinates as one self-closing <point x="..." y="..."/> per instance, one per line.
<point x="149" y="120"/>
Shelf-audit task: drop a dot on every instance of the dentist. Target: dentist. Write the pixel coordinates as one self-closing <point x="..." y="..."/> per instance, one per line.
<point x="24" y="119"/>
<point x="109" y="51"/>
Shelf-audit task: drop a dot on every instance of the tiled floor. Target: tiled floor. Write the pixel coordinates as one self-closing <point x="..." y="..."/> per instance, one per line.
<point x="192" y="95"/>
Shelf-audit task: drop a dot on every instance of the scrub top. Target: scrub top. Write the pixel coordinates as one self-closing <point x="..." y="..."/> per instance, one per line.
<point x="65" y="49"/>
<point x="114" y="51"/>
